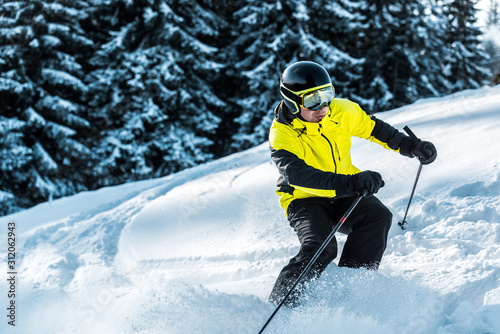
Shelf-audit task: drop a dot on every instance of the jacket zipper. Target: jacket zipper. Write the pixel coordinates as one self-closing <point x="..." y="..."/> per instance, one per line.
<point x="331" y="149"/>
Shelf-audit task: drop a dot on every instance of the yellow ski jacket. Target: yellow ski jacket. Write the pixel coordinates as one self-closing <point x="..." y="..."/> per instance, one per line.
<point x="310" y="155"/>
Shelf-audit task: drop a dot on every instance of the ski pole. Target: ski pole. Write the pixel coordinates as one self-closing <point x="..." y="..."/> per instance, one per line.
<point x="403" y="222"/>
<point x="315" y="257"/>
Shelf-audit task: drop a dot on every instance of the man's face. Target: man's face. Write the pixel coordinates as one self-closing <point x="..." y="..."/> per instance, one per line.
<point x="313" y="116"/>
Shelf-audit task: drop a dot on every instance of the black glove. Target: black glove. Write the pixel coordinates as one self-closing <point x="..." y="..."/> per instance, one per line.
<point x="365" y="183"/>
<point x="425" y="151"/>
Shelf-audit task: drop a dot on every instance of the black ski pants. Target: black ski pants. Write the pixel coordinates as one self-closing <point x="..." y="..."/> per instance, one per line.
<point x="313" y="220"/>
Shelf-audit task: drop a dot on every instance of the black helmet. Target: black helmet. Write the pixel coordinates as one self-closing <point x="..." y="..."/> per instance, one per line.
<point x="301" y="78"/>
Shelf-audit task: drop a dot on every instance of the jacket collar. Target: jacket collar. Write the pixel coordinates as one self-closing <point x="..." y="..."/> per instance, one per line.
<point x="283" y="116"/>
<point x="311" y="129"/>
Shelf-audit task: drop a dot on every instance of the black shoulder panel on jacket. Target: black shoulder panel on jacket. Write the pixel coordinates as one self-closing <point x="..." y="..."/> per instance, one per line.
<point x="387" y="134"/>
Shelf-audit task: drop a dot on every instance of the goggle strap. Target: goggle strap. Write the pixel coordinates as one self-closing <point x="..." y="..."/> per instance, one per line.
<point x="304" y="92"/>
<point x="291" y="96"/>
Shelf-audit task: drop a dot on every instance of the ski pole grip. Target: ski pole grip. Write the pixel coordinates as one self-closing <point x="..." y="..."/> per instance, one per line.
<point x="410" y="133"/>
<point x="412" y="136"/>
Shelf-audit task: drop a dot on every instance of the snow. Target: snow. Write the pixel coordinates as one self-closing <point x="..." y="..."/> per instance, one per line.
<point x="34" y="118"/>
<point x="58" y="104"/>
<point x="58" y="9"/>
<point x="5" y="195"/>
<point x="9" y="85"/>
<point x="46" y="160"/>
<point x="19" y="32"/>
<point x="199" y="250"/>
<point x="60" y="78"/>
<point x="50" y="41"/>
<point x="59" y="131"/>
<point x="10" y="124"/>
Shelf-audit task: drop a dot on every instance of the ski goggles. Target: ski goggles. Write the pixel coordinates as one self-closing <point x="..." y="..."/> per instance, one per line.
<point x="317" y="99"/>
<point x="311" y="99"/>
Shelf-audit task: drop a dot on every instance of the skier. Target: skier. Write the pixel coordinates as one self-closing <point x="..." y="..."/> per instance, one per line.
<point x="310" y="141"/>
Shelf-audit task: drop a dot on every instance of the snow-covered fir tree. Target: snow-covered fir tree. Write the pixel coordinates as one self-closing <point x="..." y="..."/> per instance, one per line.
<point x="269" y="36"/>
<point x="340" y="23"/>
<point x="42" y="97"/>
<point x="153" y="88"/>
<point x="493" y="13"/>
<point x="403" y="45"/>
<point x="491" y="41"/>
<point x="465" y="59"/>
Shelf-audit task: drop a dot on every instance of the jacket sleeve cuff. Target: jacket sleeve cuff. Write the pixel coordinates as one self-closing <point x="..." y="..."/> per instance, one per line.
<point x="342" y="185"/>
<point x="406" y="147"/>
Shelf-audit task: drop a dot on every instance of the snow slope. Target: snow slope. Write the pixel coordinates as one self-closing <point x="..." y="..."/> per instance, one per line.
<point x="198" y="251"/>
